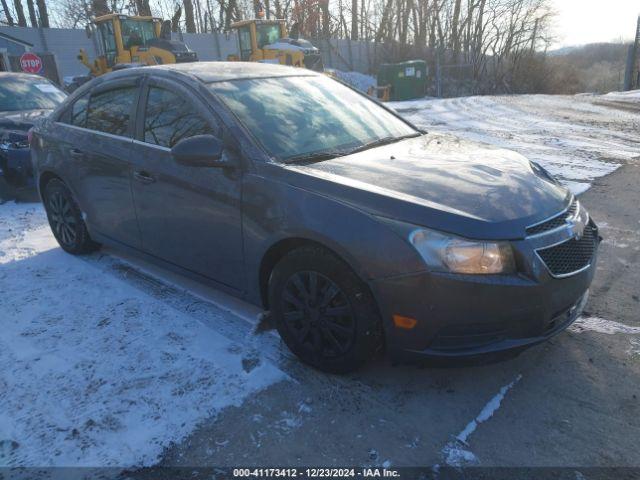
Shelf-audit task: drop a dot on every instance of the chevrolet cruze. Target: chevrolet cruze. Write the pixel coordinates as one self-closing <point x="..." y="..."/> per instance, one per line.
<point x="356" y="230"/>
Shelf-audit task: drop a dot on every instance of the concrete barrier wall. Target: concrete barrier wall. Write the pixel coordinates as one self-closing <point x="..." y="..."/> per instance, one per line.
<point x="63" y="42"/>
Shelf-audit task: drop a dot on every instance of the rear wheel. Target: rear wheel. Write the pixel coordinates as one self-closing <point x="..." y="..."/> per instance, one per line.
<point x="66" y="219"/>
<point x="323" y="311"/>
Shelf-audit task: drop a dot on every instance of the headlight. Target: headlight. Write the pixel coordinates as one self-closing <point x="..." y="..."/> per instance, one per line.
<point x="454" y="254"/>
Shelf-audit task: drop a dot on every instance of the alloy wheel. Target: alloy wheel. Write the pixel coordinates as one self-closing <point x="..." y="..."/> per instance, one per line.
<point x="62" y="218"/>
<point x="318" y="313"/>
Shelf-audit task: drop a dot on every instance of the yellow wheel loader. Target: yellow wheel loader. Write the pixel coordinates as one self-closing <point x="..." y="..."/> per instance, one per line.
<point x="125" y="41"/>
<point x="267" y="41"/>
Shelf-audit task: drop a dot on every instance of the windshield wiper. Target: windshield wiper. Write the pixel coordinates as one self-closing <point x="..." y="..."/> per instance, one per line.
<point x="315" y="156"/>
<point x="383" y="141"/>
<point x="329" y="154"/>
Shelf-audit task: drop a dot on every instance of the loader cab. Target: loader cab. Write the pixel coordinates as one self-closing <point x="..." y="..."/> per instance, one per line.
<point x="118" y="38"/>
<point x="254" y="35"/>
<point x="124" y="41"/>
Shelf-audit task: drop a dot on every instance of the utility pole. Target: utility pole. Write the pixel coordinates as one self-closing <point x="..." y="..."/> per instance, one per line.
<point x="632" y="76"/>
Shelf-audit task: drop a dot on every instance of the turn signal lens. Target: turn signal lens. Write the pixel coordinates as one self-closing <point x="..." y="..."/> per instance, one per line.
<point x="404" y="322"/>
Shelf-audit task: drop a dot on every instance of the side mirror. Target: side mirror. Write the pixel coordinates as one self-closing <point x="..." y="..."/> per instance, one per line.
<point x="200" y="151"/>
<point x="88" y="30"/>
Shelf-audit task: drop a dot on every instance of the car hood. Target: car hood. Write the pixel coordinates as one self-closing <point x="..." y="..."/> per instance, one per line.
<point x="442" y="182"/>
<point x="21" y="120"/>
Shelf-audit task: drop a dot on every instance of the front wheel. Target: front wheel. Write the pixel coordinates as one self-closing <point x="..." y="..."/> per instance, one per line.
<point x="324" y="313"/>
<point x="66" y="219"/>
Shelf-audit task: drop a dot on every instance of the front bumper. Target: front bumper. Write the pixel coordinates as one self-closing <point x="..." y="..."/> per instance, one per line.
<point x="472" y="315"/>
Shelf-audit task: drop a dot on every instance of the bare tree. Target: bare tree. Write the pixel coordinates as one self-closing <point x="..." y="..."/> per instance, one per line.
<point x="99" y="7"/>
<point x="175" y="20"/>
<point x="189" y="20"/>
<point x="22" y="21"/>
<point x="326" y="18"/>
<point x="455" y="32"/>
<point x="7" y="13"/>
<point x="143" y="8"/>
<point x="354" y="19"/>
<point x="44" y="13"/>
<point x="33" y="18"/>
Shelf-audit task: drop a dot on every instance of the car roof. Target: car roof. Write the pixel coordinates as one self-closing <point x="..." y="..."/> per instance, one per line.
<point x="208" y="72"/>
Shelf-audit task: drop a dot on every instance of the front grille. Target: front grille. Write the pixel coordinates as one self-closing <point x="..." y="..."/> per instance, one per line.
<point x="185" y="57"/>
<point x="313" y="61"/>
<point x="556" y="222"/>
<point x="571" y="256"/>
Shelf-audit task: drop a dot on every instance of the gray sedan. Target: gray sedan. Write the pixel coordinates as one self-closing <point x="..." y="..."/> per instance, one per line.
<point x="356" y="230"/>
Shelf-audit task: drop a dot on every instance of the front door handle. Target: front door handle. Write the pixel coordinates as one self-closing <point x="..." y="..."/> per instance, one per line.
<point x="143" y="177"/>
<point x="75" y="153"/>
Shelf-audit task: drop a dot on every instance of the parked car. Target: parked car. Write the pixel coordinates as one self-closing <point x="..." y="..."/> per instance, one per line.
<point x="24" y="99"/>
<point x="353" y="228"/>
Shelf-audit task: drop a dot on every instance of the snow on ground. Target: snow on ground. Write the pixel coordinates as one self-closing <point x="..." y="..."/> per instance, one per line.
<point x="630" y="96"/>
<point x="455" y="453"/>
<point x="93" y="371"/>
<point x="575" y="138"/>
<point x="601" y="325"/>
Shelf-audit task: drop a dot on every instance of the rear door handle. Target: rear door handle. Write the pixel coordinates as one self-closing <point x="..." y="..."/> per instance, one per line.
<point x="143" y="177"/>
<point x="75" y="153"/>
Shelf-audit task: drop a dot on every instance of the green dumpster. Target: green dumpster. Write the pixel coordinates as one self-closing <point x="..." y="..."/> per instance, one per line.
<point x="407" y="80"/>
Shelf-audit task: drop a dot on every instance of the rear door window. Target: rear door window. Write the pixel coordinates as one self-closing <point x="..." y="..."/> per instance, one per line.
<point x="110" y="111"/>
<point x="168" y="119"/>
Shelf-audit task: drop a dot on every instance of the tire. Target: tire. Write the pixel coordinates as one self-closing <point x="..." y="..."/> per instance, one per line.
<point x="335" y="330"/>
<point x="66" y="220"/>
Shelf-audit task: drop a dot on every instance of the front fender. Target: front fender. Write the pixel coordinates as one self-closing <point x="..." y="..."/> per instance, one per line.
<point x="274" y="210"/>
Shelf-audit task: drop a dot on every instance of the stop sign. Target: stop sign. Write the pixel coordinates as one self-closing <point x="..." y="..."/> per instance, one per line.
<point x="30" y="63"/>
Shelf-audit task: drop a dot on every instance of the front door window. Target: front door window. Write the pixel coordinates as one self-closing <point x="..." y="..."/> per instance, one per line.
<point x="168" y="119"/>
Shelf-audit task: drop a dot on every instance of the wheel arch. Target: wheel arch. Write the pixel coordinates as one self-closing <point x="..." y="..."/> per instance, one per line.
<point x="282" y="247"/>
<point x="44" y="178"/>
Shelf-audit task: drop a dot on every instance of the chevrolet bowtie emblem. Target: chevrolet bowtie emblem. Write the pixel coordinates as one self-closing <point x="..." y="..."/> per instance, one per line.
<point x="577" y="228"/>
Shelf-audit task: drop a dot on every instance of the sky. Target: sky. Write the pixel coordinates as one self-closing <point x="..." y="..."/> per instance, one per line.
<point x="589" y="21"/>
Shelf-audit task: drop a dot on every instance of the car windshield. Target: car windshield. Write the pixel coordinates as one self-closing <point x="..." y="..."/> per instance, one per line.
<point x="29" y="94"/>
<point x="303" y="117"/>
